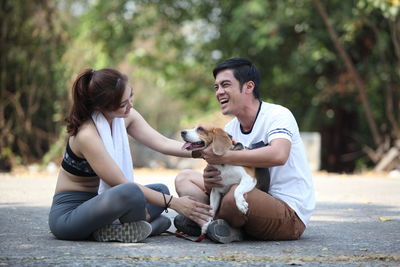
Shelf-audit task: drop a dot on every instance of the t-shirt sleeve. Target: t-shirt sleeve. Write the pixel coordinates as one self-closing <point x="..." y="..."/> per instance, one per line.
<point x="283" y="125"/>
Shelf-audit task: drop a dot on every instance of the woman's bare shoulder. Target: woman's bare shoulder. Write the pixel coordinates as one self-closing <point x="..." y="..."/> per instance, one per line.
<point x="87" y="130"/>
<point x="87" y="136"/>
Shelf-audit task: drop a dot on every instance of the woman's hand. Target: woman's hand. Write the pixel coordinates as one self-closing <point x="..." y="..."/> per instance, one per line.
<point x="211" y="177"/>
<point x="192" y="209"/>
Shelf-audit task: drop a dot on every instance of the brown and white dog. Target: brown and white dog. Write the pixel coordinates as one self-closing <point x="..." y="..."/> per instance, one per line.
<point x="201" y="137"/>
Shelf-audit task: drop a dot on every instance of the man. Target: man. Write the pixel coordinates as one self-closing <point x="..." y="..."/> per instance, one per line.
<point x="283" y="209"/>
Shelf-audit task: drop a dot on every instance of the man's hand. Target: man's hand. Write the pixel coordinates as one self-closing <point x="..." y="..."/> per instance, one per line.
<point x="209" y="156"/>
<point x="211" y="178"/>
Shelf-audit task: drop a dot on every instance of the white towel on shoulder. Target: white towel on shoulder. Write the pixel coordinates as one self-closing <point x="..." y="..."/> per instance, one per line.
<point x="117" y="145"/>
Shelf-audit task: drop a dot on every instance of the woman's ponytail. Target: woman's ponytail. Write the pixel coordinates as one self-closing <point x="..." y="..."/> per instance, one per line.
<point x="82" y="106"/>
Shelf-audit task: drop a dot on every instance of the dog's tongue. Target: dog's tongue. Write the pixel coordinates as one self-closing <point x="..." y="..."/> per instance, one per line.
<point x="186" y="145"/>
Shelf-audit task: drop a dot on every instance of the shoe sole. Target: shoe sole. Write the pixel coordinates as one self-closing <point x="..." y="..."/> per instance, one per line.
<point x="234" y="234"/>
<point x="127" y="233"/>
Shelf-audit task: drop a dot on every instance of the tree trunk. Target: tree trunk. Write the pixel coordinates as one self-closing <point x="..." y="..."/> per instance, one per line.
<point x="352" y="70"/>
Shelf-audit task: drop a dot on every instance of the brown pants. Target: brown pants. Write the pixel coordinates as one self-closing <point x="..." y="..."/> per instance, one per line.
<point x="268" y="218"/>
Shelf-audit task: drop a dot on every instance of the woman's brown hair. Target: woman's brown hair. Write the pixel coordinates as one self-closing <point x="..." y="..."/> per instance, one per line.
<point x="94" y="90"/>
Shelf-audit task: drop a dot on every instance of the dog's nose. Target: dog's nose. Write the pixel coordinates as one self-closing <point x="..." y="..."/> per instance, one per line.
<point x="183" y="133"/>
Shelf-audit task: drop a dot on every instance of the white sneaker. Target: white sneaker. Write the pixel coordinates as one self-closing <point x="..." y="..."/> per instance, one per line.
<point x="127" y="232"/>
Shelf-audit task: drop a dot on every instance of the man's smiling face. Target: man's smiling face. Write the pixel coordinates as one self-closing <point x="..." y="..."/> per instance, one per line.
<point x="227" y="91"/>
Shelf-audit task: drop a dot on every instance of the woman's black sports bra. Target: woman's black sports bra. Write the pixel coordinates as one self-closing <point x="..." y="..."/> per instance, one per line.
<point x="76" y="165"/>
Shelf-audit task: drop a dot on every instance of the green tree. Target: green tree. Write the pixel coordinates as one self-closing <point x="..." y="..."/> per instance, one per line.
<point x="31" y="45"/>
<point x="301" y="68"/>
<point x="169" y="47"/>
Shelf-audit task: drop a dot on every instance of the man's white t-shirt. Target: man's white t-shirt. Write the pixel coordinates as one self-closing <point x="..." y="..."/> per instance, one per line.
<point x="292" y="182"/>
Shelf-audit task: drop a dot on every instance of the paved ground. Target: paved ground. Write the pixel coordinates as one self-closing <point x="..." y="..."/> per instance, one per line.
<point x="357" y="223"/>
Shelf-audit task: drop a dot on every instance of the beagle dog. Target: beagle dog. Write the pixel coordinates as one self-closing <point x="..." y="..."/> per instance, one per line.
<point x="201" y="137"/>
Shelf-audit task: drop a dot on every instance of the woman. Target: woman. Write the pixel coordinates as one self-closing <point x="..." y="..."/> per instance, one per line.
<point x="97" y="148"/>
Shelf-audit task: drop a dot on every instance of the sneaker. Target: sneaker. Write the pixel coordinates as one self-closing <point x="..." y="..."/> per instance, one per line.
<point x="127" y="232"/>
<point x="186" y="226"/>
<point x="219" y="231"/>
<point x="160" y="225"/>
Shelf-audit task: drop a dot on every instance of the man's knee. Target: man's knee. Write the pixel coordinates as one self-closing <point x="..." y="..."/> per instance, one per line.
<point x="182" y="177"/>
<point x="183" y="180"/>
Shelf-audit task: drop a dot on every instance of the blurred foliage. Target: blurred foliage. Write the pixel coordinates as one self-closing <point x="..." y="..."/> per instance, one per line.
<point x="169" y="47"/>
<point x="31" y="80"/>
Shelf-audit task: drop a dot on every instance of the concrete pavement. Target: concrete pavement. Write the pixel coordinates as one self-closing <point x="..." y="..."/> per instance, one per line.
<point x="356" y="223"/>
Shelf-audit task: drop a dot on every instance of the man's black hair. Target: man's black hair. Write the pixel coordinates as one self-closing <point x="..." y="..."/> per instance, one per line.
<point x="243" y="70"/>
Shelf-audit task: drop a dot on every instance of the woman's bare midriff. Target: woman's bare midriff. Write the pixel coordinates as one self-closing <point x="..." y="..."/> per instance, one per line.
<point x="70" y="182"/>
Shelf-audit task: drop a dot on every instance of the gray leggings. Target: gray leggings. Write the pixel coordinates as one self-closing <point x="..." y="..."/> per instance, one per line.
<point x="76" y="215"/>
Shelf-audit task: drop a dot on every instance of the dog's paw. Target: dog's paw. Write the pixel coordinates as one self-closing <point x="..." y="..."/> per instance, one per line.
<point x="243" y="206"/>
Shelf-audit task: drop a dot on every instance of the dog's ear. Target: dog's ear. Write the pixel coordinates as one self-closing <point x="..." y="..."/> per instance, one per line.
<point x="221" y="142"/>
